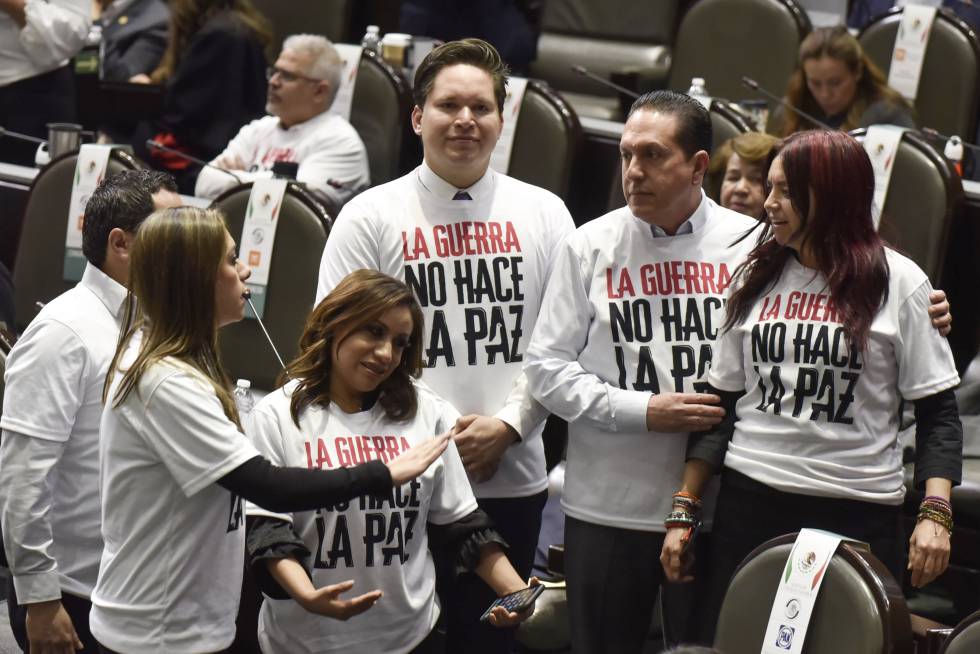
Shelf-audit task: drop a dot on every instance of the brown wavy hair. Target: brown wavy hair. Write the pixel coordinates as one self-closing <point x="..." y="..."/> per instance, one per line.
<point x="360" y="298"/>
<point x="174" y="263"/>
<point x="187" y="17"/>
<point x="831" y="187"/>
<point x="837" y="43"/>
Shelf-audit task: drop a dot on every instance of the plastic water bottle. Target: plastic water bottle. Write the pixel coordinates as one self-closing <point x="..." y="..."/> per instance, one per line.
<point x="699" y="92"/>
<point x="372" y="40"/>
<point x="954" y="152"/>
<point x="243" y="398"/>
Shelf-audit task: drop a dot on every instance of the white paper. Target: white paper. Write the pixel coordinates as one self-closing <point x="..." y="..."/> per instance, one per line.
<point x="798" y="588"/>
<point x="500" y="158"/>
<point x="881" y="143"/>
<point x="351" y="55"/>
<point x="259" y="236"/>
<point x="90" y="170"/>
<point x="910" y="49"/>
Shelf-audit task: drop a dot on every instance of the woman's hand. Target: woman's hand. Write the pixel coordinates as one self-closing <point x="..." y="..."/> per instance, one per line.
<point x="673" y="558"/>
<point x="501" y="617"/>
<point x="928" y="552"/>
<point x="326" y="601"/>
<point x="413" y="462"/>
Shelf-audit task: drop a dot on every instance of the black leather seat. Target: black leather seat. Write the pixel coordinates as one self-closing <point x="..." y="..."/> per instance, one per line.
<point x="965" y="638"/>
<point x="38" y="273"/>
<point x="302" y="232"/>
<point x="860" y="608"/>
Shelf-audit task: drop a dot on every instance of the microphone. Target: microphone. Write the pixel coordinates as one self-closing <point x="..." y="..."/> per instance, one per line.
<point x="754" y="85"/>
<point x="585" y="72"/>
<point x="153" y="145"/>
<point x="20" y="137"/>
<point x="247" y="296"/>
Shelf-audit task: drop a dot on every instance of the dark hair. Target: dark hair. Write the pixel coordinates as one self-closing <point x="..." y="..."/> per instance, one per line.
<point x="837" y="43"/>
<point x="124" y="200"/>
<point x="693" y="120"/>
<point x="360" y="297"/>
<point x="474" y="52"/>
<point x="837" y="228"/>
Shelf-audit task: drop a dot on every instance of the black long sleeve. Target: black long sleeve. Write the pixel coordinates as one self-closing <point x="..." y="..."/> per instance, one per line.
<point x="270" y="539"/>
<point x="284" y="490"/>
<point x="938" y="439"/>
<point x="712" y="445"/>
<point x="461" y="541"/>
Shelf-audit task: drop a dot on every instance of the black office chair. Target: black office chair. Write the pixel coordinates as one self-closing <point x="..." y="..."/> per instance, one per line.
<point x="965" y="638"/>
<point x="38" y="275"/>
<point x="547" y="140"/>
<point x="860" y="608"/>
<point x="722" y="40"/>
<point x="380" y="112"/>
<point x="303" y="227"/>
<point x="946" y="101"/>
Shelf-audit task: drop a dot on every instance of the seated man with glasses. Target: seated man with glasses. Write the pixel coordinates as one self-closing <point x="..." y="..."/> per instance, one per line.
<point x="331" y="156"/>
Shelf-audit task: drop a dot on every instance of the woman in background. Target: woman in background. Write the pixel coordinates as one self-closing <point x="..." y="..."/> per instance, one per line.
<point x="838" y="84"/>
<point x="742" y="163"/>
<point x="352" y="396"/>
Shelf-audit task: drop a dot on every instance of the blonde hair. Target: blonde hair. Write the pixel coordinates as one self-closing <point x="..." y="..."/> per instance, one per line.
<point x="174" y="264"/>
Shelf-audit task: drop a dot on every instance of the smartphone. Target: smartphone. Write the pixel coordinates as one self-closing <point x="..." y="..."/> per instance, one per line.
<point x="515" y="602"/>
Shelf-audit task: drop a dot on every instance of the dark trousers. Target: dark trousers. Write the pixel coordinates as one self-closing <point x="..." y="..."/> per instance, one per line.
<point x="29" y="105"/>
<point x="750" y="513"/>
<point x="518" y="520"/>
<point x="76" y="607"/>
<point x="612" y="576"/>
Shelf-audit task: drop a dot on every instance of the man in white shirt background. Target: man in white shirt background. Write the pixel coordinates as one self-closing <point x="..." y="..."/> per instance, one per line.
<point x="302" y="86"/>
<point x="37" y="85"/>
<point x="49" y="453"/>
<point x="476" y="247"/>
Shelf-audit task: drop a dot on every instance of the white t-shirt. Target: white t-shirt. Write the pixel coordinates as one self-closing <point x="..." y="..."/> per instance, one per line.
<point x="817" y="419"/>
<point x="478" y="268"/>
<point x="171" y="571"/>
<point x="331" y="156"/>
<point x="49" y="455"/>
<point x="55" y="32"/>
<point x="626" y="315"/>
<point x="379" y="543"/>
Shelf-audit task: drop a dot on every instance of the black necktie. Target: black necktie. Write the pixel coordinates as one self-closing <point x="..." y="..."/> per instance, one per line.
<point x="462" y="195"/>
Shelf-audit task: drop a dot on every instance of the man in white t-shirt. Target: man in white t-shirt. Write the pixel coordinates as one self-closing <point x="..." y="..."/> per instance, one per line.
<point x="476" y="247"/>
<point x="49" y="454"/>
<point x="302" y="86"/>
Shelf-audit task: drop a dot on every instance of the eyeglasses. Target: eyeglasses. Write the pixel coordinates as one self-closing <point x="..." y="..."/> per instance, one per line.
<point x="286" y="76"/>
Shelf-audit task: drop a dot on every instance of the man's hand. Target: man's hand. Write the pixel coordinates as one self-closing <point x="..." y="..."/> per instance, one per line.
<point x="326" y="601"/>
<point x="928" y="552"/>
<point x="942" y="319"/>
<point x="482" y="441"/>
<point x="49" y="629"/>
<point x="229" y="162"/>
<point x="683" y="412"/>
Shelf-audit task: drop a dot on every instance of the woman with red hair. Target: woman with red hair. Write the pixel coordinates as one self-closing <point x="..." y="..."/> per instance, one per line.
<point x="826" y="335"/>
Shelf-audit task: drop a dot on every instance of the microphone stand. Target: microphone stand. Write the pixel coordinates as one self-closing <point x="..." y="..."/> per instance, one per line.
<point x="248" y="298"/>
<point x="586" y="73"/>
<point x="153" y="145"/>
<point x="754" y="85"/>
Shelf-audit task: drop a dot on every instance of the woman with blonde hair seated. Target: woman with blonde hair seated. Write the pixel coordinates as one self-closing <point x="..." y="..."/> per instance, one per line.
<point x="741" y="163"/>
<point x="838" y="84"/>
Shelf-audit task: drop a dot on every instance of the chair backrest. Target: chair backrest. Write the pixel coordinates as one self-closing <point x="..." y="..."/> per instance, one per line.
<point x="331" y="18"/>
<point x="925" y="197"/>
<point x="380" y="112"/>
<point x="728" y="120"/>
<point x="947" y="101"/>
<point x="302" y="232"/>
<point x="609" y="37"/>
<point x="719" y="40"/>
<point x="965" y="638"/>
<point x="38" y="269"/>
<point x="860" y="608"/>
<point x="547" y="140"/>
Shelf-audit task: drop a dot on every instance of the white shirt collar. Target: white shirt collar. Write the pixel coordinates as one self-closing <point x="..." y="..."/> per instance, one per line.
<point x="437" y="186"/>
<point x="323" y="115"/>
<point x="689" y="226"/>
<point x="110" y="292"/>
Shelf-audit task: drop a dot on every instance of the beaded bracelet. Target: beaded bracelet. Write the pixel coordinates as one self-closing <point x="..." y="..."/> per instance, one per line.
<point x="937" y="509"/>
<point x="687" y="500"/>
<point x="679" y="519"/>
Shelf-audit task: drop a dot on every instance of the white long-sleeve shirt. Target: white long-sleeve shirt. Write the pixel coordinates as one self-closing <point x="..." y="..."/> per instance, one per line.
<point x="479" y="269"/>
<point x="49" y="455"/>
<point x="331" y="156"/>
<point x="54" y="33"/>
<point x="627" y="315"/>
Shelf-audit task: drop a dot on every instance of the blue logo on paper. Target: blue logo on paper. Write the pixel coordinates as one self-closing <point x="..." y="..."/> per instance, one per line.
<point x="784" y="639"/>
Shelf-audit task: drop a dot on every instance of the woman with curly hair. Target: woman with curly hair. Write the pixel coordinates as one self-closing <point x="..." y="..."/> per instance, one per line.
<point x="352" y="396"/>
